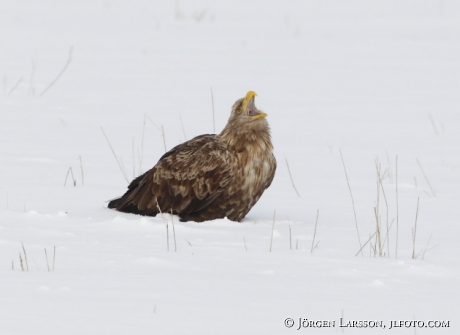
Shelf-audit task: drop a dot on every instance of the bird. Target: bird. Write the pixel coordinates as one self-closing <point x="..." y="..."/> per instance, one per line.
<point x="211" y="176"/>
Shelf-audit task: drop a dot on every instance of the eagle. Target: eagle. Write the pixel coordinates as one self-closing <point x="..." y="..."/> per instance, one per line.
<point x="210" y="176"/>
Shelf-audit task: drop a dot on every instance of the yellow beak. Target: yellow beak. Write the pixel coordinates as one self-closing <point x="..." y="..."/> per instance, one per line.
<point x="247" y="99"/>
<point x="249" y="96"/>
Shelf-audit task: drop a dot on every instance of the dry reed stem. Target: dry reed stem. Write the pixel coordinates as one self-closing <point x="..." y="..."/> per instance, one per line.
<point x="414" y="231"/>
<point x="386" y="204"/>
<point x="433" y="191"/>
<point x="433" y="124"/>
<point x="134" y="160"/>
<point x="378" y="236"/>
<point x="174" y="231"/>
<point x="15" y="86"/>
<point x="290" y="238"/>
<point x="164" y="137"/>
<point x="54" y="256"/>
<point x="148" y="117"/>
<point x="141" y="154"/>
<point x="390" y="174"/>
<point x="292" y="181"/>
<point x="273" y="228"/>
<point x="366" y="243"/>
<point x="69" y="59"/>
<point x="114" y="155"/>
<point x="316" y="246"/>
<point x="73" y="178"/>
<point x="21" y="262"/>
<point x="167" y="226"/>
<point x="386" y="236"/>
<point x="12" y="265"/>
<point x="352" y="201"/>
<point x="25" y="256"/>
<point x="213" y="118"/>
<point x="123" y="167"/>
<point x="397" y="210"/>
<point x="314" y="234"/>
<point x="245" y="247"/>
<point x="183" y="130"/>
<point x="426" y="247"/>
<point x="82" y="174"/>
<point x="47" y="263"/>
<point x="31" y="80"/>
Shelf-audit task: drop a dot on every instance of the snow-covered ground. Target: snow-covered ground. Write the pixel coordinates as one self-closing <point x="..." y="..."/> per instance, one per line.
<point x="374" y="79"/>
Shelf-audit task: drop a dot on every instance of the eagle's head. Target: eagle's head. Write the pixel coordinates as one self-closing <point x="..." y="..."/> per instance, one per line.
<point x="245" y="110"/>
<point x="246" y="124"/>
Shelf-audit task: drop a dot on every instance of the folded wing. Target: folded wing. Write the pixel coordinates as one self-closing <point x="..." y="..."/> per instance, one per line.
<point x="185" y="181"/>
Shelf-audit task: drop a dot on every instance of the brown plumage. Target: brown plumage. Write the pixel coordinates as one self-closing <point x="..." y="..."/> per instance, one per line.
<point x="210" y="176"/>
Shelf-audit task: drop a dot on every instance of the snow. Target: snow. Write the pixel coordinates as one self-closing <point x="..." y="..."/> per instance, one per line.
<point x="374" y="80"/>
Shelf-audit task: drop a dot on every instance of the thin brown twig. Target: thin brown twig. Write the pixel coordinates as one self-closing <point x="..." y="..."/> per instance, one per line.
<point x="31" y="80"/>
<point x="164" y="137"/>
<point x="82" y="174"/>
<point x="386" y="204"/>
<point x="433" y="191"/>
<point x="114" y="155"/>
<point x="314" y="234"/>
<point x="366" y="244"/>
<point x="433" y="123"/>
<point x="21" y="262"/>
<point x="54" y="256"/>
<point x="352" y="201"/>
<point x="290" y="238"/>
<point x="47" y="263"/>
<point x="15" y="86"/>
<point x="73" y="178"/>
<point x="69" y="59"/>
<point x="167" y="226"/>
<point x="292" y="181"/>
<point x="397" y="210"/>
<point x="414" y="232"/>
<point x="141" y="154"/>
<point x="25" y="256"/>
<point x="213" y="118"/>
<point x="426" y="247"/>
<point x="183" y="130"/>
<point x="174" y="231"/>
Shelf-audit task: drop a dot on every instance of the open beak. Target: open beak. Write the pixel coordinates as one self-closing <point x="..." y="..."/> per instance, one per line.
<point x="250" y="108"/>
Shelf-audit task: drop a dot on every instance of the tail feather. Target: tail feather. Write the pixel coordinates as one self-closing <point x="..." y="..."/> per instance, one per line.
<point x="113" y="203"/>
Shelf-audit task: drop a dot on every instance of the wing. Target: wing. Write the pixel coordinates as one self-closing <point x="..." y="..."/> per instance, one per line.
<point x="185" y="180"/>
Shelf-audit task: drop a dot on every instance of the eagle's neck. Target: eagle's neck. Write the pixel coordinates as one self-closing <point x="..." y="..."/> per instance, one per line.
<point x="252" y="136"/>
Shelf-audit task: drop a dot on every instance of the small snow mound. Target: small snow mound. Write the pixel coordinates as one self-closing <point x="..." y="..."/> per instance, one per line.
<point x="144" y="221"/>
<point x="44" y="288"/>
<point x="65" y="288"/>
<point x="62" y="213"/>
<point x="33" y="212"/>
<point x="118" y="219"/>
